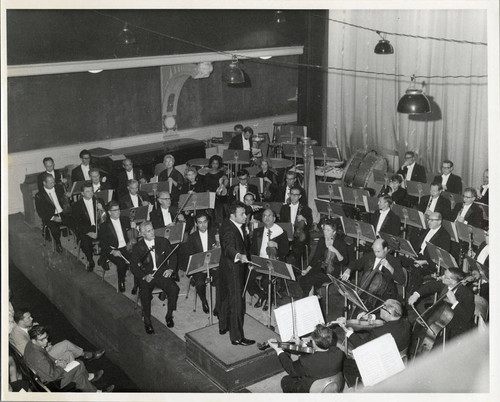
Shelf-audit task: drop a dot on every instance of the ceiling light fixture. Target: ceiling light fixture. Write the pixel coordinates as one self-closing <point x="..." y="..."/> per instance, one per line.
<point x="232" y="74"/>
<point x="383" y="46"/>
<point x="414" y="101"/>
<point x="126" y="37"/>
<point x="279" y="17"/>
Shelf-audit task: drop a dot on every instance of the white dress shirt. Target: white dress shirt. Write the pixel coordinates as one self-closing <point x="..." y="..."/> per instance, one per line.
<point x="246" y="143"/>
<point x="96" y="187"/>
<point x="293" y="213"/>
<point x="275" y="232"/>
<point x="485" y="188"/>
<point x="89" y="204"/>
<point x="427" y="238"/>
<point x="53" y="197"/>
<point x="242" y="191"/>
<point x="130" y="175"/>
<point x="444" y="179"/>
<point x="409" y="171"/>
<point x="287" y="194"/>
<point x="135" y="200"/>
<point x="85" y="170"/>
<point x="464" y="210"/>
<point x="119" y="232"/>
<point x="166" y="216"/>
<point x="150" y="244"/>
<point x="485" y="252"/>
<point x="204" y="240"/>
<point x="381" y="219"/>
<point x="432" y="206"/>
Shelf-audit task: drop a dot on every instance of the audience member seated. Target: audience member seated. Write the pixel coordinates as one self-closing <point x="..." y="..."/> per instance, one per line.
<point x="468" y="212"/>
<point x="87" y="215"/>
<point x="384" y="220"/>
<point x="53" y="208"/>
<point x="410" y="170"/>
<point x="242" y="141"/>
<point x="57" y="174"/>
<point x="270" y="179"/>
<point x="483" y="191"/>
<point x="50" y="369"/>
<point x="283" y="192"/>
<point x="237" y="191"/>
<point x="134" y="198"/>
<point x="435" y="202"/>
<point x="325" y="362"/>
<point x="395" y="190"/>
<point x="128" y="173"/>
<point x="450" y="182"/>
<point x="82" y="172"/>
<point x="174" y="178"/>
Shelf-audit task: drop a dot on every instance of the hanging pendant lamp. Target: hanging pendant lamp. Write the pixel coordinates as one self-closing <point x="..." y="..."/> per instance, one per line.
<point x="383" y="46"/>
<point x="414" y="101"/>
<point x="232" y="74"/>
<point x="126" y="37"/>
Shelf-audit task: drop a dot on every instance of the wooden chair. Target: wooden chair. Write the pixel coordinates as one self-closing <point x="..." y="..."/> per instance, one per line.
<point x="330" y="385"/>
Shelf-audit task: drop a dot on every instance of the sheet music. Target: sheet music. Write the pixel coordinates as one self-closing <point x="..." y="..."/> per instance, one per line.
<point x="307" y="313"/>
<point x="378" y="360"/>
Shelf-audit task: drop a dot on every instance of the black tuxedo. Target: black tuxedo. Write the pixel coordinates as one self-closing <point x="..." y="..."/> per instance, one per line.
<point x="443" y="206"/>
<point x="141" y="265"/>
<point x="237" y="142"/>
<point x="231" y="281"/>
<point x="46" y="211"/>
<point x="479" y="249"/>
<point x="399" y="329"/>
<point x="126" y="200"/>
<point x="418" y="173"/>
<point x="122" y="178"/>
<point x="298" y="248"/>
<point x="391" y="224"/>
<point x="58" y="178"/>
<point x="235" y="195"/>
<point x="453" y="185"/>
<point x="108" y="239"/>
<point x="77" y="174"/>
<point x="83" y="225"/>
<point x="280" y="195"/>
<point x="484" y="199"/>
<point x="156" y="217"/>
<point x="474" y="215"/>
<point x="398" y="196"/>
<point x="177" y="177"/>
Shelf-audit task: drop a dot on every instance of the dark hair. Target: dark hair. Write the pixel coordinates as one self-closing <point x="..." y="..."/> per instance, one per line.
<point x="291" y="173"/>
<point x="46" y="159"/>
<point x="84" y="152"/>
<point x="397" y="178"/>
<point x="238" y="127"/>
<point x="456" y="273"/>
<point x="411" y="153"/>
<point x="112" y="204"/>
<point x="471" y="190"/>
<point x="387" y="198"/>
<point x="324" y="336"/>
<point x="36" y="331"/>
<point x="248" y="129"/>
<point x="242" y="172"/>
<point x="252" y="194"/>
<point x="94" y="170"/>
<point x="19" y="314"/>
<point x="132" y="181"/>
<point x="438" y="184"/>
<point x="46" y="175"/>
<point x="201" y="214"/>
<point x="273" y="212"/>
<point x="296" y="188"/>
<point x="87" y="184"/>
<point x="448" y="161"/>
<point x="234" y="206"/>
<point x="217" y="158"/>
<point x="333" y="223"/>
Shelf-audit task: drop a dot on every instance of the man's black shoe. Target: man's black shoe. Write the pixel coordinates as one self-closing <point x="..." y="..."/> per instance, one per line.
<point x="110" y="388"/>
<point x="94" y="355"/>
<point x="204" y="304"/>
<point x="265" y="306"/>
<point x="90" y="266"/>
<point x="259" y="302"/>
<point x="134" y="290"/>
<point x="149" y="329"/>
<point x="121" y="287"/>
<point x="162" y="296"/>
<point x="97" y="376"/>
<point x="222" y="331"/>
<point x="169" y="321"/>
<point x="105" y="266"/>
<point x="59" y="248"/>
<point x="243" y="342"/>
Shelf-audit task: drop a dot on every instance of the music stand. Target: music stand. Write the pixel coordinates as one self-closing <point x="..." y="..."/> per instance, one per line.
<point x="417" y="189"/>
<point x="155" y="188"/>
<point x="353" y="196"/>
<point x="76" y="188"/>
<point x="329" y="208"/>
<point x="271" y="268"/>
<point x="326" y="153"/>
<point x="358" y="229"/>
<point x="173" y="233"/>
<point x="345" y="289"/>
<point x="451" y="229"/>
<point x="205" y="261"/>
<point x="410" y="216"/>
<point x="256" y="181"/>
<point x="486" y="210"/>
<point x="236" y="157"/>
<point x="399" y="245"/>
<point x="273" y="206"/>
<point x="197" y="201"/>
<point x="371" y="203"/>
<point x="441" y="257"/>
<point x="105" y="195"/>
<point x="481" y="268"/>
<point x="328" y="190"/>
<point x="137" y="214"/>
<point x="454" y="198"/>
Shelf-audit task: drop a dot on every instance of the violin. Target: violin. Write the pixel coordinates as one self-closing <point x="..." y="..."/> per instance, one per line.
<point x="299" y="233"/>
<point x="291" y="347"/>
<point x="132" y="232"/>
<point x="272" y="252"/>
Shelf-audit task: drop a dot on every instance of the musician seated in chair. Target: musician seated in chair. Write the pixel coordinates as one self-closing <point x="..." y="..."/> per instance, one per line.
<point x="269" y="241"/>
<point x="88" y="214"/>
<point x="270" y="179"/>
<point x="326" y="361"/>
<point x="282" y="194"/>
<point x="242" y="141"/>
<point x="98" y="184"/>
<point x="459" y="299"/>
<point x="254" y="212"/>
<point x="468" y="212"/>
<point x="53" y="208"/>
<point x="149" y="265"/>
<point x="165" y="215"/>
<point x="134" y="198"/>
<point x="395" y="190"/>
<point x="384" y="219"/>
<point x="380" y="272"/>
<point x="237" y="191"/>
<point x="435" y="203"/>
<point x="57" y="174"/>
<point x="173" y="176"/>
<point x="394" y="323"/>
<point x="329" y="258"/>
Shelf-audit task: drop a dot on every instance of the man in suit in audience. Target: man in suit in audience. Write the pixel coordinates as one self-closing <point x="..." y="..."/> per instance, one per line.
<point x="242" y="141"/>
<point x="237" y="191"/>
<point x="128" y="173"/>
<point x="149" y="267"/>
<point x="50" y="369"/>
<point x="283" y="192"/>
<point x="52" y="206"/>
<point x="115" y="242"/>
<point x="82" y="172"/>
<point x="483" y="191"/>
<point x="410" y="170"/>
<point x="202" y="240"/>
<point x="87" y="213"/>
<point x="384" y="220"/>
<point x="467" y="212"/>
<point x="134" y="198"/>
<point x="231" y="276"/>
<point x="57" y="174"/>
<point x="174" y="178"/>
<point x="450" y="182"/>
<point x="435" y="203"/>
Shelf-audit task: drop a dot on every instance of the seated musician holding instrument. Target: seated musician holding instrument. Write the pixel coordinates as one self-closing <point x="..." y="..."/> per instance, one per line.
<point x="81" y="172"/>
<point x="325" y="362"/>
<point x="395" y="190"/>
<point x="329" y="258"/>
<point x="174" y="178"/>
<point x="395" y="324"/>
<point x="128" y="173"/>
<point x="450" y="182"/>
<point x="52" y="206"/>
<point x="283" y="192"/>
<point x="410" y="170"/>
<point x="115" y="242"/>
<point x="300" y="215"/>
<point x="270" y="179"/>
<point x="269" y="241"/>
<point x="134" y="198"/>
<point x="435" y="203"/>
<point x="468" y="212"/>
<point x="98" y="184"/>
<point x="458" y="297"/>
<point x="88" y="214"/>
<point x="237" y="191"/>
<point x="380" y="272"/>
<point x="194" y="182"/>
<point x="384" y="219"/>
<point x="57" y="174"/>
<point x="254" y="212"/>
<point x="166" y="214"/>
<point x="216" y="182"/>
<point x="242" y="141"/>
<point x="150" y="266"/>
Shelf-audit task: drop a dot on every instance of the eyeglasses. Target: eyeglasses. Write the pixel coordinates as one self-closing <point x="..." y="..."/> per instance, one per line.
<point x="163" y="198"/>
<point x="468" y="196"/>
<point x="296" y="194"/>
<point x="114" y="210"/>
<point x="432" y="219"/>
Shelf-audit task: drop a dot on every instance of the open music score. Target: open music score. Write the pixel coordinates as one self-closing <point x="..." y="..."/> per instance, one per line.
<point x="451" y="229"/>
<point x="137" y="215"/>
<point x="353" y="196"/>
<point x="417" y="189"/>
<point x="330" y="209"/>
<point x="410" y="216"/>
<point x="358" y="229"/>
<point x="76" y="187"/>
<point x="197" y="201"/>
<point x="328" y="190"/>
<point x="370" y="203"/>
<point x="399" y="244"/>
<point x="441" y="257"/>
<point x="155" y="187"/>
<point x="469" y="232"/>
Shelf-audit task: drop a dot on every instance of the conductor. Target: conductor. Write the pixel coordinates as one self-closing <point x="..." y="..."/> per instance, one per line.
<point x="231" y="279"/>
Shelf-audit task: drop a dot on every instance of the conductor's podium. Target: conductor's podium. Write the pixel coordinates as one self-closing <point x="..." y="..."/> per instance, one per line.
<point x="232" y="367"/>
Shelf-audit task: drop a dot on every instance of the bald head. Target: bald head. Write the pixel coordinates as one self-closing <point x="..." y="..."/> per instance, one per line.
<point x="380" y="248"/>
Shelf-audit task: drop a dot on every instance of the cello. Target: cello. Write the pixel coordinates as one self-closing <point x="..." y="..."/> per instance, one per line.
<point x="375" y="285"/>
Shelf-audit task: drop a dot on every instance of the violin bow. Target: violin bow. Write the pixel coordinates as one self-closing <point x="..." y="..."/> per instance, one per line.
<point x="422" y="320"/>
